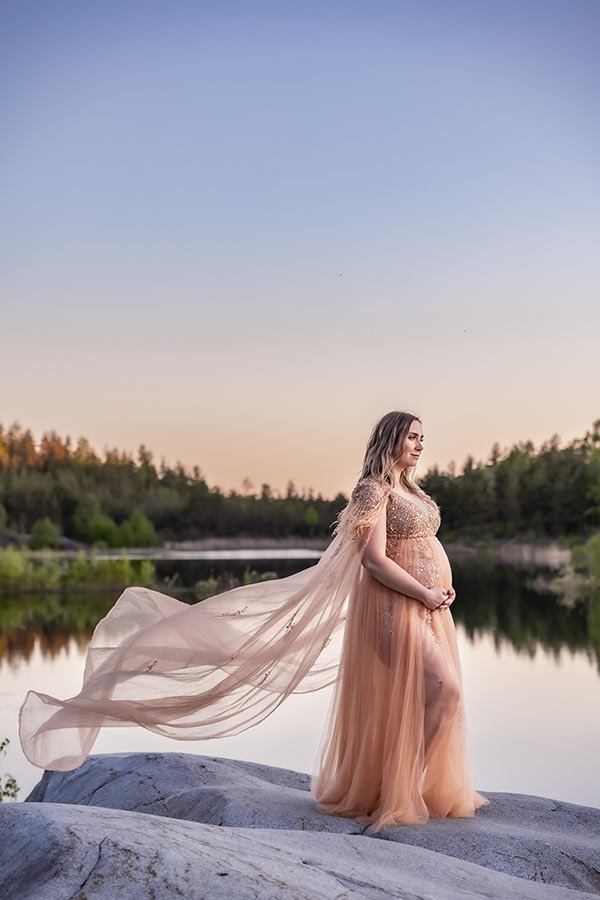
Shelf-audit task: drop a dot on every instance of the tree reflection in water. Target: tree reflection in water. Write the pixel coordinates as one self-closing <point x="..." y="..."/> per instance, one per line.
<point x="522" y="607"/>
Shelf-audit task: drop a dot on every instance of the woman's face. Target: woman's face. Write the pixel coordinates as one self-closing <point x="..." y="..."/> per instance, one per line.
<point x="407" y="452"/>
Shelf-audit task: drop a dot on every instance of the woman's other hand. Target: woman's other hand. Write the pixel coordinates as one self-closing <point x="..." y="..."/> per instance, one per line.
<point x="450" y="595"/>
<point x="440" y="598"/>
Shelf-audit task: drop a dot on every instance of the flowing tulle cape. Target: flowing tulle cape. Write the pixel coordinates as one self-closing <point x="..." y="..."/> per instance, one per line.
<point x="211" y="669"/>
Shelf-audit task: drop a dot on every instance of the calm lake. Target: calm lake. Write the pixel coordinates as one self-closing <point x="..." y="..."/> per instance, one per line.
<point x="531" y="675"/>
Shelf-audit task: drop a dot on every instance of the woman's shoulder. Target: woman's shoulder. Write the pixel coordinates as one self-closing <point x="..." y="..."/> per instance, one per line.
<point x="365" y="502"/>
<point x="370" y="488"/>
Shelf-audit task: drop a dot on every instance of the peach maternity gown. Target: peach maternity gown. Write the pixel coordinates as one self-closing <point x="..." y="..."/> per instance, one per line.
<point x="396" y="749"/>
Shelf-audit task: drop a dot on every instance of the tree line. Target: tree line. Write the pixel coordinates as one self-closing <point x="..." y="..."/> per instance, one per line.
<point x="518" y="491"/>
<point x="54" y="488"/>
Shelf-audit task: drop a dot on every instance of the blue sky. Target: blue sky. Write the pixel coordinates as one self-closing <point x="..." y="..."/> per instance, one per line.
<point x="240" y="233"/>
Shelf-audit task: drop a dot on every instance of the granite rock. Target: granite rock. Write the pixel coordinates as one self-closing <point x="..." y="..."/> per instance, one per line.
<point x="170" y="824"/>
<point x="64" y="852"/>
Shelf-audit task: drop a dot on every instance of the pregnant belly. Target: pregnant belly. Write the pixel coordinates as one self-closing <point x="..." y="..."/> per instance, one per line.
<point x="425" y="559"/>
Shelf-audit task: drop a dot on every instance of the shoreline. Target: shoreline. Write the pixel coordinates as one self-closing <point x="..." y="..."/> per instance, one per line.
<point x="550" y="552"/>
<point x="546" y="552"/>
<point x="553" y="553"/>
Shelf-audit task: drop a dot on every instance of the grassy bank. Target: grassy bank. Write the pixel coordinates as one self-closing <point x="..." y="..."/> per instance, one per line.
<point x="22" y="571"/>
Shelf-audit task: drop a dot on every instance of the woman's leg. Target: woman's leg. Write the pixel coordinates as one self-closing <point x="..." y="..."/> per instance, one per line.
<point x="442" y="691"/>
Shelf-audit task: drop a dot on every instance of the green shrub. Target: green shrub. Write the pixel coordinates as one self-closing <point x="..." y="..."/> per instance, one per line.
<point x="311" y="518"/>
<point x="80" y="571"/>
<point x="251" y="576"/>
<point x="208" y="587"/>
<point x="45" y="574"/>
<point x="102" y="529"/>
<point x="591" y="549"/>
<point x="13" y="566"/>
<point x="87" y="507"/>
<point x="44" y="534"/>
<point x="116" y="571"/>
<point x="138" y="531"/>
<point x="19" y="572"/>
<point x="8" y="785"/>
<point x="147" y="576"/>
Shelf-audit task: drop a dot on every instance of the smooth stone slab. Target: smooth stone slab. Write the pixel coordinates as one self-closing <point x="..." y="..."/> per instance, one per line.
<point x="205" y="789"/>
<point x="66" y="852"/>
<point x="532" y="838"/>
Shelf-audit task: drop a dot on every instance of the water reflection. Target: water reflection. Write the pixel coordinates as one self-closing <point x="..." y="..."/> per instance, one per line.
<point x="491" y="599"/>
<point x="530" y="663"/>
<point x="52" y="619"/>
<point x="512" y="606"/>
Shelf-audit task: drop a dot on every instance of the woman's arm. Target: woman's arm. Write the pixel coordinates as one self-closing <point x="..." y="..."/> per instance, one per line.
<point x="391" y="574"/>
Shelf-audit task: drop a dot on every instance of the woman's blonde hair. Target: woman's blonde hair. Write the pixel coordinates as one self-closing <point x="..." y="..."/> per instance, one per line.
<point x="379" y="456"/>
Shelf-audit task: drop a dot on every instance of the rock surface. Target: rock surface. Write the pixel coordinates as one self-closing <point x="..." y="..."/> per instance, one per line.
<point x="174" y="824"/>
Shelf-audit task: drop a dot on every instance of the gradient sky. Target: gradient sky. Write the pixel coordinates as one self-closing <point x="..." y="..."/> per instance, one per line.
<point x="241" y="232"/>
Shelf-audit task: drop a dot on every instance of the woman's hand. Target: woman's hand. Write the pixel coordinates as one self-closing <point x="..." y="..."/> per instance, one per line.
<point x="440" y="598"/>
<point x="450" y="595"/>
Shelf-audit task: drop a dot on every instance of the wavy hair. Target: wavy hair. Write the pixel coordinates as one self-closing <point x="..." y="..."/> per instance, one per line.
<point x="379" y="456"/>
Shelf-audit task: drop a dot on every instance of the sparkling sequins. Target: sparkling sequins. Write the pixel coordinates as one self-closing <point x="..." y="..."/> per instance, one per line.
<point x="415" y="519"/>
<point x="429" y="623"/>
<point x="411" y="519"/>
<point x="428" y="572"/>
<point x="336" y="551"/>
<point x="386" y="617"/>
<point x="439" y="680"/>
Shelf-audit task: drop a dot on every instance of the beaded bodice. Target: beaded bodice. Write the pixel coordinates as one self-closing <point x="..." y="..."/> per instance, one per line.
<point x="407" y="516"/>
<point x="410" y="518"/>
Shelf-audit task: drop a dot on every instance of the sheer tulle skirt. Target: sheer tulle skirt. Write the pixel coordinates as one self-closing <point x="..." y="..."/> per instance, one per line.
<point x="395" y="749"/>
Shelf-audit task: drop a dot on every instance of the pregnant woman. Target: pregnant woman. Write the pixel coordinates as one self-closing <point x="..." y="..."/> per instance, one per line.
<point x="395" y="748"/>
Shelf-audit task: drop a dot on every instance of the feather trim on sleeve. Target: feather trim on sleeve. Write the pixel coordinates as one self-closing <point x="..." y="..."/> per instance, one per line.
<point x="360" y="515"/>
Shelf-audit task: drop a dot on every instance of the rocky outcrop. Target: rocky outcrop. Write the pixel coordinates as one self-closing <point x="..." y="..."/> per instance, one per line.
<point x="178" y="825"/>
<point x="197" y="788"/>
